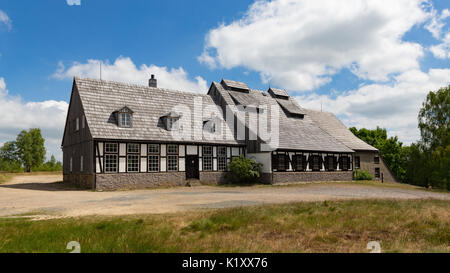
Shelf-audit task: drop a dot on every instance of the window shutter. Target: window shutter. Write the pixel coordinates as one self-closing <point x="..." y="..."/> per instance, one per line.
<point x="274" y="162"/>
<point x="294" y="162"/>
<point x="305" y="164"/>
<point x="334" y="162"/>
<point x="286" y="162"/>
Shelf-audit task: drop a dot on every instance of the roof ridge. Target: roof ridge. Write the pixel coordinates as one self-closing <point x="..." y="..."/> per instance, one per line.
<point x="76" y="78"/>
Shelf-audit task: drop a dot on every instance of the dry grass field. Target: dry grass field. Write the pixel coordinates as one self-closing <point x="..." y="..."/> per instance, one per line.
<point x="327" y="226"/>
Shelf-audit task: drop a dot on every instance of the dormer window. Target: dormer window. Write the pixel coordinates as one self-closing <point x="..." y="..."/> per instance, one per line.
<point x="124" y="117"/>
<point x="209" y="126"/>
<point x="212" y="125"/>
<point x="171" y="120"/>
<point x="172" y="124"/>
<point x="125" y="120"/>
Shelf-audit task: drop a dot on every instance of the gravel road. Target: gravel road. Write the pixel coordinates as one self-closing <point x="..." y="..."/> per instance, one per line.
<point x="45" y="197"/>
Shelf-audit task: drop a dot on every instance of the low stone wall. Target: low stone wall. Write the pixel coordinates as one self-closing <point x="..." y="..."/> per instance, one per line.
<point x="284" y="177"/>
<point x="212" y="178"/>
<point x="122" y="181"/>
<point x="84" y="181"/>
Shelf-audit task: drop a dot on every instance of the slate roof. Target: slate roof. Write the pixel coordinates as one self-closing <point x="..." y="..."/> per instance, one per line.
<point x="101" y="98"/>
<point x="279" y="92"/>
<point x="295" y="133"/>
<point x="235" y="84"/>
<point x="291" y="106"/>
<point x="316" y="131"/>
<point x="333" y="126"/>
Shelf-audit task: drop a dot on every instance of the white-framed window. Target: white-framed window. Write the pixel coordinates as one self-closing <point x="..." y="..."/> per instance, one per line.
<point x="133" y="148"/>
<point x="153" y="157"/>
<point x="207" y="158"/>
<point x="111" y="163"/>
<point x="222" y="158"/>
<point x="77" y="124"/>
<point x="153" y="163"/>
<point x="172" y="123"/>
<point x="70" y="165"/>
<point x="81" y="164"/>
<point x="172" y="157"/>
<point x="153" y="148"/>
<point x="111" y="147"/>
<point x="125" y="120"/>
<point x="83" y="121"/>
<point x="132" y="163"/>
<point x="111" y="157"/>
<point x="172" y="149"/>
<point x="133" y="157"/>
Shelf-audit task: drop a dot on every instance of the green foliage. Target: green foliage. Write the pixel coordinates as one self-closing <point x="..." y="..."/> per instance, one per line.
<point x="428" y="162"/>
<point x="27" y="153"/>
<point x="49" y="166"/>
<point x="30" y="148"/>
<point x="362" y="175"/>
<point x="390" y="148"/>
<point x="244" y="170"/>
<point x="434" y="119"/>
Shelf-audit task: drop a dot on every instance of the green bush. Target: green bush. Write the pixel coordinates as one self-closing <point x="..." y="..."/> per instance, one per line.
<point x="362" y="175"/>
<point x="244" y="170"/>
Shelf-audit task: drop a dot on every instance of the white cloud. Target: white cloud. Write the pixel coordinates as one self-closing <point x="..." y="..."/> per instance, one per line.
<point x="437" y="28"/>
<point x="4" y="19"/>
<point x="442" y="50"/>
<point x="17" y="115"/>
<point x="124" y="70"/>
<point x="393" y="106"/>
<point x="300" y="44"/>
<point x="73" y="2"/>
<point x="436" y="23"/>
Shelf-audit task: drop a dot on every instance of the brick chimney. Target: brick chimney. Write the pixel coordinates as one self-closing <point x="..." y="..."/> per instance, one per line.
<point x="152" y="82"/>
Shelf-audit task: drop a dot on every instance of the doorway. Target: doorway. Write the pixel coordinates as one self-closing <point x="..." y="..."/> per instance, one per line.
<point x="192" y="167"/>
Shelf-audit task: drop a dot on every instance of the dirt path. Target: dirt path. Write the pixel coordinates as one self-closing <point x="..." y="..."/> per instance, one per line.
<point x="44" y="196"/>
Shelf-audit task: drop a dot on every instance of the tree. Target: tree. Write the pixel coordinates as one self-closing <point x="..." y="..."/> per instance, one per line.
<point x="374" y="138"/>
<point x="30" y="147"/>
<point x="8" y="152"/>
<point x="433" y="150"/>
<point x="434" y="119"/>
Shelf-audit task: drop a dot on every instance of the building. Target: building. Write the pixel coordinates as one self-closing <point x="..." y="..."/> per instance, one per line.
<point x="126" y="136"/>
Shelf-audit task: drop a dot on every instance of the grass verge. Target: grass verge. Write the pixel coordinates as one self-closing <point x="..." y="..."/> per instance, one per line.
<point x="372" y="183"/>
<point x="331" y="226"/>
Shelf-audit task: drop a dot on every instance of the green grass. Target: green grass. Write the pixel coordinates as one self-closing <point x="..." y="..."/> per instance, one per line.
<point x="331" y="226"/>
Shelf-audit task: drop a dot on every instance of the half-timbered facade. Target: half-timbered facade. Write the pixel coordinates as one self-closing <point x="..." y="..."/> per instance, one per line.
<point x="125" y="136"/>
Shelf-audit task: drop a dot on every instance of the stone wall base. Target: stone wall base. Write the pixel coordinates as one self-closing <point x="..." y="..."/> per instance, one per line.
<point x="129" y="181"/>
<point x="83" y="181"/>
<point x="212" y="178"/>
<point x="285" y="177"/>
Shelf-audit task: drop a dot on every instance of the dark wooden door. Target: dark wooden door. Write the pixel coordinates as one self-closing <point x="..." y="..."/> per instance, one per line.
<point x="192" y="167"/>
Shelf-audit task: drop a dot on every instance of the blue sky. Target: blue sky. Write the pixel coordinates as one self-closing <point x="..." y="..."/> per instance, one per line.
<point x="369" y="62"/>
